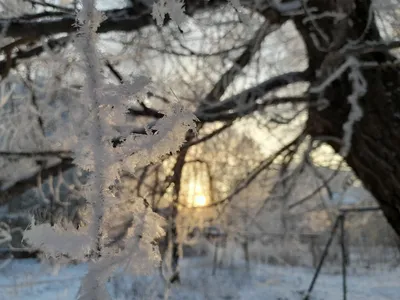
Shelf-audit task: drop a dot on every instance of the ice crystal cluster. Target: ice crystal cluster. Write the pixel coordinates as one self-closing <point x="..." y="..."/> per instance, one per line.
<point x="91" y="144"/>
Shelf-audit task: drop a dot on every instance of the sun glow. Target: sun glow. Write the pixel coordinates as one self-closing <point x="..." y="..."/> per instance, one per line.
<point x="197" y="189"/>
<point x="199" y="200"/>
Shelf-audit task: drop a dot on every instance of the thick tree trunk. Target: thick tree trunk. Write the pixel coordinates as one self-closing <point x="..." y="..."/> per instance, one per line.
<point x="374" y="154"/>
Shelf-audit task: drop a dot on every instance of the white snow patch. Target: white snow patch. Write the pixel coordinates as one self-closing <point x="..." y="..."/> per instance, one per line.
<point x="27" y="279"/>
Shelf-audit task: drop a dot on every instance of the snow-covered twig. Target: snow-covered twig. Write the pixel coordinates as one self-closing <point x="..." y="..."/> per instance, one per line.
<point x="359" y="89"/>
<point x="334" y="76"/>
<point x="359" y="85"/>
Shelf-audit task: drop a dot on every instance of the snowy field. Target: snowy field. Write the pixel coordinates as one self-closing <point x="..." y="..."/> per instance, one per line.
<point x="27" y="279"/>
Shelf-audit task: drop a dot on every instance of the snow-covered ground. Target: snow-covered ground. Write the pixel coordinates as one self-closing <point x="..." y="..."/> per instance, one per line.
<point x="27" y="279"/>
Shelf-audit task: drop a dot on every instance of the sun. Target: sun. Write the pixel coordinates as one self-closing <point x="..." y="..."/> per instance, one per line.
<point x="200" y="200"/>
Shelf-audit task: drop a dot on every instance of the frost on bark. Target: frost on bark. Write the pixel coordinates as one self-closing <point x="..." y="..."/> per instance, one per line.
<point x="373" y="154"/>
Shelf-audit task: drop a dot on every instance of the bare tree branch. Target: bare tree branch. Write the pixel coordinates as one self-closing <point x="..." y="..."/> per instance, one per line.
<point x="125" y="20"/>
<point x="257" y="171"/>
<point x="243" y="60"/>
<point x="29" y="182"/>
<point x="245" y="101"/>
<point x="209" y="136"/>
<point x="49" y="153"/>
<point x="191" y="52"/>
<point x="252" y="94"/>
<point x="324" y="185"/>
<point x="50" y="5"/>
<point x="12" y="62"/>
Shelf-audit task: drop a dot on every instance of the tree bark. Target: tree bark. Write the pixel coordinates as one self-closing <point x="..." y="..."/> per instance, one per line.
<point x="373" y="155"/>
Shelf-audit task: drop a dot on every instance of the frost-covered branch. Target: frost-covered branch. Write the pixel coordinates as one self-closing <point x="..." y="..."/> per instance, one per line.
<point x="90" y="19"/>
<point x="93" y="152"/>
<point x="359" y="89"/>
